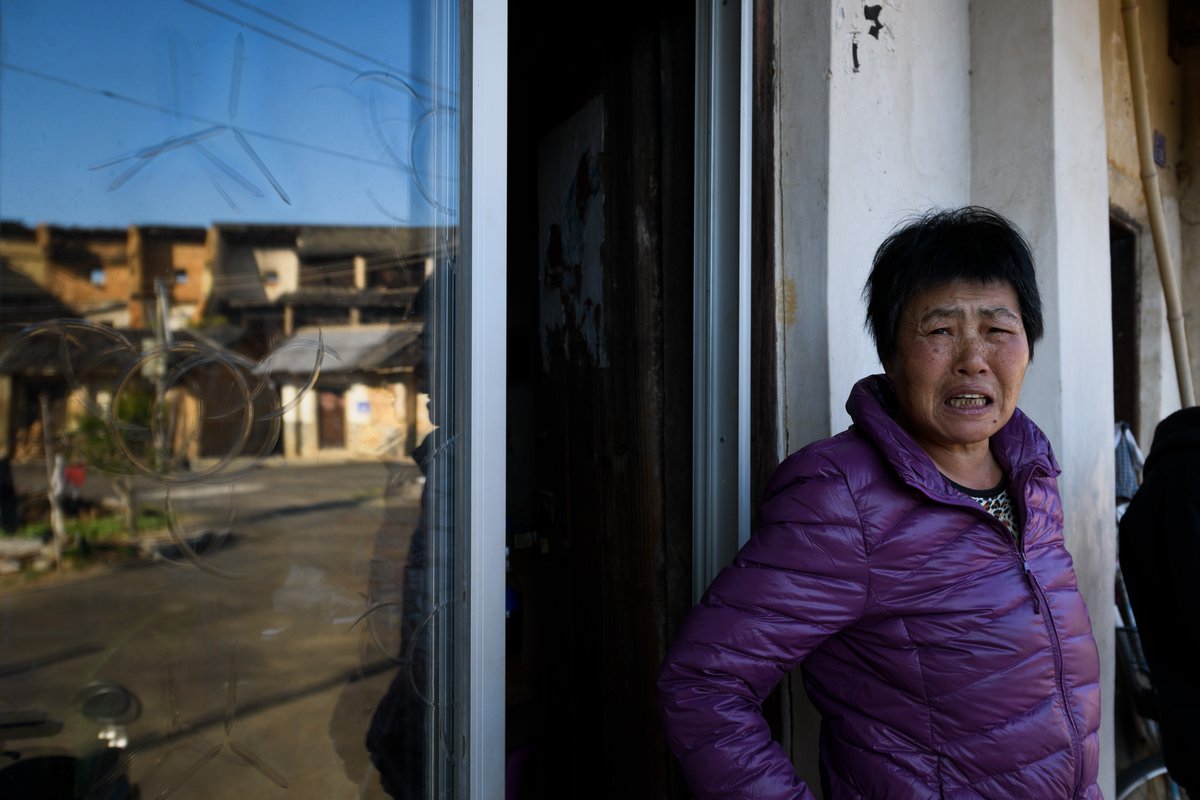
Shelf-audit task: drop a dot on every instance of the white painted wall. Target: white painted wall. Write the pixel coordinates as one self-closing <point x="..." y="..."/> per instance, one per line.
<point x="892" y="139"/>
<point x="291" y="421"/>
<point x="284" y="263"/>
<point x="309" y="432"/>
<point x="892" y="136"/>
<point x="998" y="104"/>
<point x="1039" y="157"/>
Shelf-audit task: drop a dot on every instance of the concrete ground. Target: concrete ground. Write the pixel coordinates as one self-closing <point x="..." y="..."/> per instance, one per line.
<point x="246" y="659"/>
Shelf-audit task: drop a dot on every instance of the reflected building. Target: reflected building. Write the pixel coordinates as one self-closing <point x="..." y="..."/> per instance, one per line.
<point x="111" y="275"/>
<point x="355" y="290"/>
<point x="263" y="293"/>
<point x="238" y="334"/>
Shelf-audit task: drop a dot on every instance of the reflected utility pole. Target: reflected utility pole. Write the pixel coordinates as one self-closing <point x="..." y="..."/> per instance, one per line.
<point x="162" y="335"/>
<point x="54" y="481"/>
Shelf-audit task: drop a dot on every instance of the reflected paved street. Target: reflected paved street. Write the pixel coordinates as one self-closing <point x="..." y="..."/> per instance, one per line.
<point x="247" y="661"/>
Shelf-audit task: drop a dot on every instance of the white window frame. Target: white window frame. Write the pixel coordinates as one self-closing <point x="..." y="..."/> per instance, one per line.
<point x="721" y="322"/>
<point x="485" y="155"/>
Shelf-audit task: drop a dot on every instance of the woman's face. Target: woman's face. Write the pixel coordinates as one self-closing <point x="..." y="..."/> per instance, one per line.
<point x="960" y="358"/>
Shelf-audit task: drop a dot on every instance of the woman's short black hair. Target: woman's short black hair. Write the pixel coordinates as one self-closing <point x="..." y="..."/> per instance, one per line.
<point x="971" y="244"/>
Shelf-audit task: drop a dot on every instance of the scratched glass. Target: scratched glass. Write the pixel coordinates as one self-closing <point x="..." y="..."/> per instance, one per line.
<point x="228" y="403"/>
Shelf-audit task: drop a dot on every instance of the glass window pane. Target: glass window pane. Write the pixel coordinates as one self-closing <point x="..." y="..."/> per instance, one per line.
<point x="230" y="401"/>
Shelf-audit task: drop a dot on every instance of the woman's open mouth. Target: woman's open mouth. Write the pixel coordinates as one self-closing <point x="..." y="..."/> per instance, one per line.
<point x="969" y="401"/>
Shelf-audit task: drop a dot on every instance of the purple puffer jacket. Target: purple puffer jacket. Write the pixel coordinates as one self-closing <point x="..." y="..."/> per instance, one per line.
<point x="946" y="661"/>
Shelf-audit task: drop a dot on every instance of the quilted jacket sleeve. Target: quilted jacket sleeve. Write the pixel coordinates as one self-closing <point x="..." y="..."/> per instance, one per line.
<point x="801" y="578"/>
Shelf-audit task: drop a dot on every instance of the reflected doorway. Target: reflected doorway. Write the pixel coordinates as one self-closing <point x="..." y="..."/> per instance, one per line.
<point x="331" y="419"/>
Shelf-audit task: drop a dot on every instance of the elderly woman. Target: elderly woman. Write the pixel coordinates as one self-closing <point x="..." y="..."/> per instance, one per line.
<point x="913" y="565"/>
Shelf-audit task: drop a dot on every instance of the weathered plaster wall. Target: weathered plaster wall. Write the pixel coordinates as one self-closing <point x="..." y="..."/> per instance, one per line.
<point x="803" y="140"/>
<point x="1038" y="127"/>
<point x="1159" y="394"/>
<point x="1188" y="172"/>
<point x="878" y="109"/>
<point x="997" y="104"/>
<point x="874" y="126"/>
<point x="899" y="122"/>
<point x="375" y="420"/>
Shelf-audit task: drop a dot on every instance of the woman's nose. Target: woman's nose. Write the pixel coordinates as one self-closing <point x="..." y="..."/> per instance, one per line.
<point x="972" y="358"/>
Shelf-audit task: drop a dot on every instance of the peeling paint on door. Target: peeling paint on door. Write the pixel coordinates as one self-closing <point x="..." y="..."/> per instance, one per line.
<point x="571" y="238"/>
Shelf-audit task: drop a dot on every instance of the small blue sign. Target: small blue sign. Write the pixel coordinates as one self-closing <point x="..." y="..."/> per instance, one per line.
<point x="1160" y="149"/>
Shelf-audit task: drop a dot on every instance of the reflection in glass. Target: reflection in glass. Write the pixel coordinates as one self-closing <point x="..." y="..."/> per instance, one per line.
<point x="228" y="249"/>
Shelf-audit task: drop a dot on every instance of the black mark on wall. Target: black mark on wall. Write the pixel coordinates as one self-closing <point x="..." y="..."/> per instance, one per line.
<point x="854" y="54"/>
<point x="872" y="15"/>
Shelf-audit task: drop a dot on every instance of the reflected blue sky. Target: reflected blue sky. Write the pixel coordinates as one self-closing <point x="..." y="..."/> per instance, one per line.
<point x="194" y="111"/>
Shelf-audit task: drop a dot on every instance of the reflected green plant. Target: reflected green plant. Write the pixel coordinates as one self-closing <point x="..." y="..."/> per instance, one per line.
<point x="95" y="529"/>
<point x="94" y="440"/>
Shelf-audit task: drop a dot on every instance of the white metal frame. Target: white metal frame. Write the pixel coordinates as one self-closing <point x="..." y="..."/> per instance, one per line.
<point x="721" y="322"/>
<point x="721" y="335"/>
<point x="485" y="151"/>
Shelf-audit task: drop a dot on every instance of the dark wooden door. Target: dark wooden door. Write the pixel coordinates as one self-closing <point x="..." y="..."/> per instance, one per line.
<point x="600" y="304"/>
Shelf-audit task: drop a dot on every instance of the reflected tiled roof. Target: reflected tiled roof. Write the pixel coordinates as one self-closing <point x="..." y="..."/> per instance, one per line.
<point x="322" y="241"/>
<point x="347" y="349"/>
<point x="77" y="347"/>
<point x="22" y="300"/>
<point x="315" y="242"/>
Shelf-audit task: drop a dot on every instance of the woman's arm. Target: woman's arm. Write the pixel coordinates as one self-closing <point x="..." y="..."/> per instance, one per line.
<point x="801" y="578"/>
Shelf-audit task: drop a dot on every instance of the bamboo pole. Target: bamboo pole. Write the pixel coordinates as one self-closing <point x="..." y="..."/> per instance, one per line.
<point x="1166" y="270"/>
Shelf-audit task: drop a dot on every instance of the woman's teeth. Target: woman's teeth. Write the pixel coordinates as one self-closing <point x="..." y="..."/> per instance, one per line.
<point x="968" y="400"/>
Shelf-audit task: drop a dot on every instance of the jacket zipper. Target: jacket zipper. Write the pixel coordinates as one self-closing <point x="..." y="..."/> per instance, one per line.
<point x="1056" y="648"/>
<point x="1017" y="494"/>
<point x="1017" y="487"/>
<point x="1030" y="581"/>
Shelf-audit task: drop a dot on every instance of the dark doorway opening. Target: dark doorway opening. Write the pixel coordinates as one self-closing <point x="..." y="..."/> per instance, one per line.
<point x="599" y="407"/>
<point x="331" y="419"/>
<point x="1126" y="297"/>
